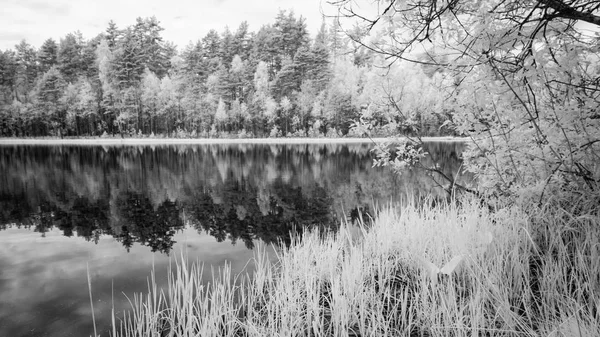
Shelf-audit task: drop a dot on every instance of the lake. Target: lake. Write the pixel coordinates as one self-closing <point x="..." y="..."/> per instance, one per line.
<point x="117" y="212"/>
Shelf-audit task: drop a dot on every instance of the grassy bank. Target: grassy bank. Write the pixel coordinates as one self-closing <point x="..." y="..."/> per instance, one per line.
<point x="539" y="276"/>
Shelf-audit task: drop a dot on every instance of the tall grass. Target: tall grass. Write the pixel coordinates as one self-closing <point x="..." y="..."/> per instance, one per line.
<point x="540" y="276"/>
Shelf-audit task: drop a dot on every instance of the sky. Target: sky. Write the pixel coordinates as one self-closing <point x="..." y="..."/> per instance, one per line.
<point x="183" y="20"/>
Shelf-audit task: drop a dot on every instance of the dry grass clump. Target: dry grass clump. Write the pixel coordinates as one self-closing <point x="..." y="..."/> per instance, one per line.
<point x="507" y="279"/>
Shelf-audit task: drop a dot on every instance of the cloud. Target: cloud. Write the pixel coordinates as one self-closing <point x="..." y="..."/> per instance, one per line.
<point x="27" y="8"/>
<point x="54" y="8"/>
<point x="12" y="36"/>
<point x="32" y="20"/>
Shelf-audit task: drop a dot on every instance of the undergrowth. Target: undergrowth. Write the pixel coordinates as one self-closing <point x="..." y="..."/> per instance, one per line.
<point x="539" y="276"/>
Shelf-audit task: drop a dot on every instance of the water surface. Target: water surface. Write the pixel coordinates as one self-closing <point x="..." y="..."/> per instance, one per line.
<point x="119" y="211"/>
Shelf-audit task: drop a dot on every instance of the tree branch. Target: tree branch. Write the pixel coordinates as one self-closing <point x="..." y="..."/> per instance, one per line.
<point x="565" y="11"/>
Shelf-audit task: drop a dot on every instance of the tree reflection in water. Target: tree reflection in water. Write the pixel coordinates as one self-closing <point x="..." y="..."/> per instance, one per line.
<point x="145" y="194"/>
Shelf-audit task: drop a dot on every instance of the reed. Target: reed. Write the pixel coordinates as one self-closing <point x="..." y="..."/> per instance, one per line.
<point x="518" y="275"/>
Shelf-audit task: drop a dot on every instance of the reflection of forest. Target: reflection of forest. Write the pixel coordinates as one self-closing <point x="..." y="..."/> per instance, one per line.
<point x="233" y="192"/>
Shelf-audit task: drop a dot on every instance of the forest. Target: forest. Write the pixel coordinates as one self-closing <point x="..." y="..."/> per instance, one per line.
<point x="276" y="82"/>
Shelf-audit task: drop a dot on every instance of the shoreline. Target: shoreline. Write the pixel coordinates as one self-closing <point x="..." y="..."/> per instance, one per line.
<point x="204" y="141"/>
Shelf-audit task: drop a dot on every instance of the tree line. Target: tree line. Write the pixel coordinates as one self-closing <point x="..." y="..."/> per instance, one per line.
<point x="277" y="81"/>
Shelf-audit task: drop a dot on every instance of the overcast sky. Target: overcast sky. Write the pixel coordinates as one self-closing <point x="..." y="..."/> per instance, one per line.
<point x="183" y="20"/>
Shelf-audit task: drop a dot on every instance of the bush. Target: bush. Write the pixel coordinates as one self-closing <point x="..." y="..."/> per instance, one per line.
<point x="244" y="134"/>
<point x="315" y="130"/>
<point x="332" y="133"/>
<point x="181" y="133"/>
<point x="275" y="132"/>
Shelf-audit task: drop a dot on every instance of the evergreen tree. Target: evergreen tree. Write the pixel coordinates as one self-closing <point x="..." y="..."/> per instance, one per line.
<point x="27" y="70"/>
<point x="264" y="49"/>
<point x="211" y="44"/>
<point x="195" y="65"/>
<point x="70" y="60"/>
<point x="226" y="47"/>
<point x="89" y="68"/>
<point x="287" y="81"/>
<point x="128" y="60"/>
<point x="48" y="55"/>
<point x="112" y="34"/>
<point x="49" y="92"/>
<point x="291" y="33"/>
<point x="303" y="64"/>
<point x="8" y="73"/>
<point x="242" y="41"/>
<point x="169" y="50"/>
<point x="152" y="52"/>
<point x="319" y="67"/>
<point x="335" y="39"/>
<point x="194" y="74"/>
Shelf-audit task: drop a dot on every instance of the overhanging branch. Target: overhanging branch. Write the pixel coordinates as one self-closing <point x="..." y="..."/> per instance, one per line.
<point x="565" y="11"/>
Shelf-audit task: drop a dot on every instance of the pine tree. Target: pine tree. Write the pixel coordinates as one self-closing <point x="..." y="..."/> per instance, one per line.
<point x="195" y="70"/>
<point x="112" y="35"/>
<point x="287" y="80"/>
<point x="291" y="33"/>
<point x="226" y="47"/>
<point x="27" y="70"/>
<point x="211" y="44"/>
<point x="319" y="68"/>
<point x="152" y="50"/>
<point x="49" y="92"/>
<point x="48" y="55"/>
<point x="70" y="56"/>
<point x="8" y="73"/>
<point x="89" y="68"/>
<point x="242" y="41"/>
<point x="128" y="60"/>
<point x="264" y="49"/>
<point x="335" y="39"/>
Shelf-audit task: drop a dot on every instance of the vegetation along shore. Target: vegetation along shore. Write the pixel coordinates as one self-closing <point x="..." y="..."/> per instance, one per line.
<point x="517" y="276"/>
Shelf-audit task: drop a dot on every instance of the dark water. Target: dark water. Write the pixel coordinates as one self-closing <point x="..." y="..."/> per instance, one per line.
<point x="119" y="211"/>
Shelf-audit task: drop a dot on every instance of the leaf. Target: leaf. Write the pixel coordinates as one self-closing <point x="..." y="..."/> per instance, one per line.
<point x="451" y="266"/>
<point x="434" y="270"/>
<point x="431" y="269"/>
